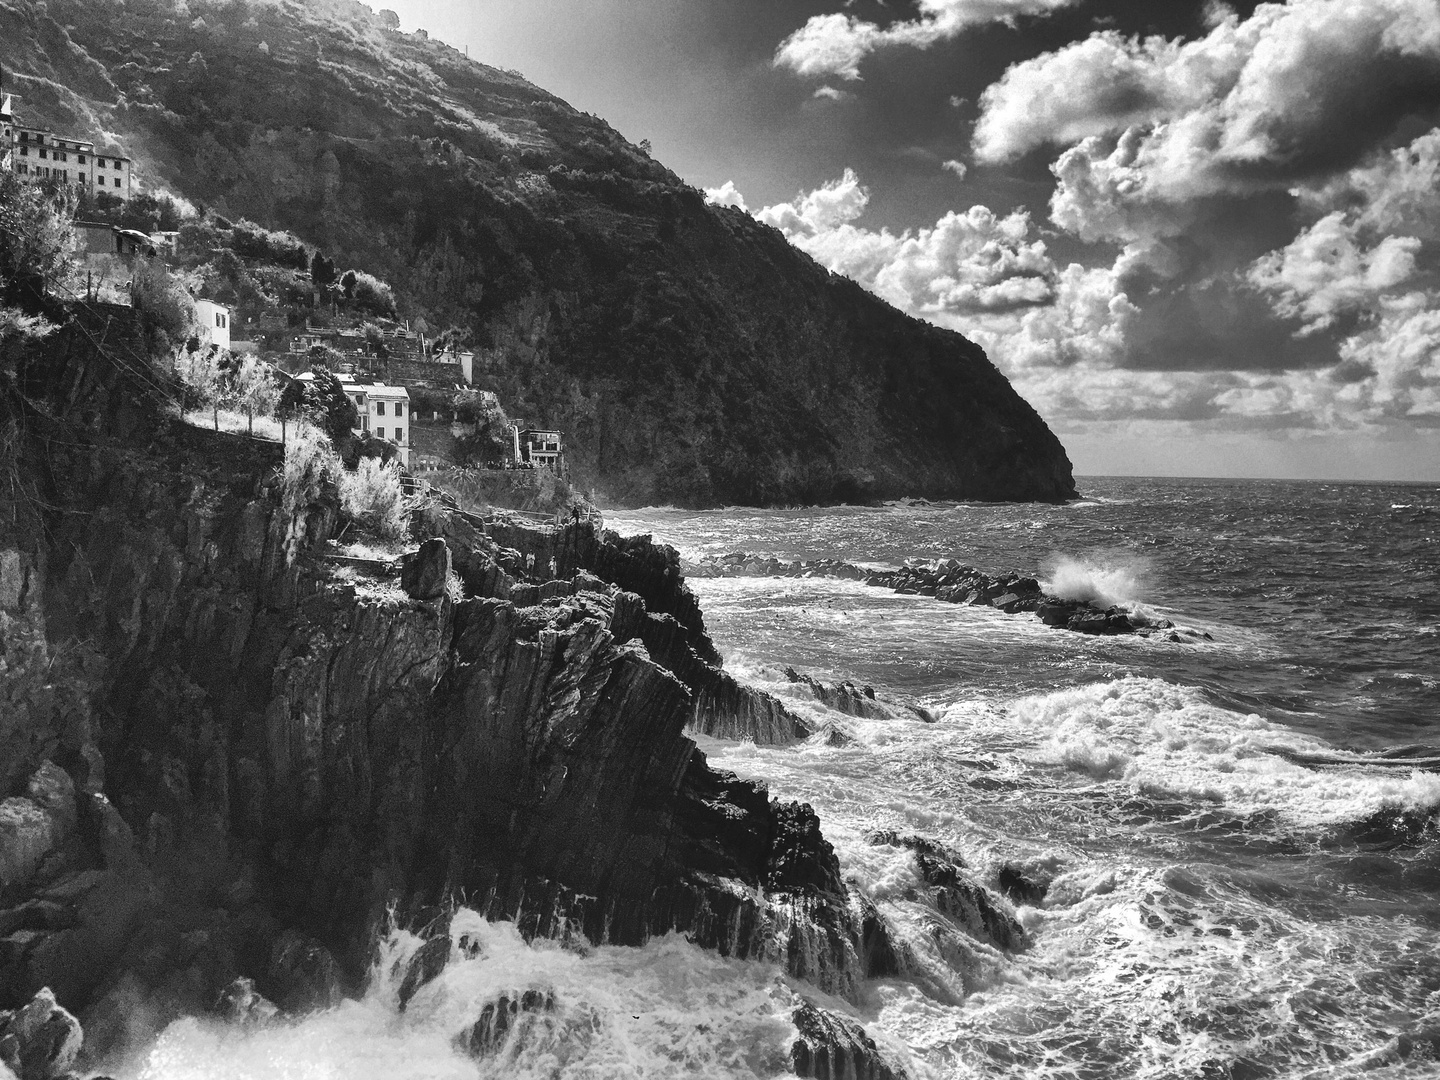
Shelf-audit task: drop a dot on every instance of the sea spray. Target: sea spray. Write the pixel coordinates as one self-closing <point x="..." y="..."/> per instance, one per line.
<point x="1120" y="579"/>
<point x="666" y="1009"/>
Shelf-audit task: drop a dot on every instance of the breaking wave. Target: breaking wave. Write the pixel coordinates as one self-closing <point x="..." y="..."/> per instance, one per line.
<point x="1109" y="581"/>
<point x="1170" y="741"/>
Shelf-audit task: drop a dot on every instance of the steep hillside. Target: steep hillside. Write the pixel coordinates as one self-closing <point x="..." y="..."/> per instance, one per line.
<point x="691" y="354"/>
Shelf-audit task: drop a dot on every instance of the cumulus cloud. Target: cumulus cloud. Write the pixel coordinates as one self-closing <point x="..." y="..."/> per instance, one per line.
<point x="976" y="261"/>
<point x="1325" y="271"/>
<point x="1295" y="91"/>
<point x="726" y="195"/>
<point x="957" y="167"/>
<point x="835" y="44"/>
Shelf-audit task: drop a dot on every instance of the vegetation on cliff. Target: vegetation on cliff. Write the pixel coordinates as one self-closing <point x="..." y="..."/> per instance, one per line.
<point x="692" y="355"/>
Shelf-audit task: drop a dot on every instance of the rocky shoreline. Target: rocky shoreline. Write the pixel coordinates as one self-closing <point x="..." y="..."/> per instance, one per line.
<point x="950" y="581"/>
<point x="231" y="752"/>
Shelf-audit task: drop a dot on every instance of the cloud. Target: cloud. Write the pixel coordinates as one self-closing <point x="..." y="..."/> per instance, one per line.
<point x="1296" y="91"/>
<point x="835" y="44"/>
<point x="1326" y="272"/>
<point x="726" y="195"/>
<point x="832" y="93"/>
<point x="959" y="168"/>
<point x="976" y="261"/>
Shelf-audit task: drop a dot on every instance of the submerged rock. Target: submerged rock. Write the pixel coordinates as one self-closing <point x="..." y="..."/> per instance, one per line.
<point x="499" y="1018"/>
<point x="241" y="1003"/>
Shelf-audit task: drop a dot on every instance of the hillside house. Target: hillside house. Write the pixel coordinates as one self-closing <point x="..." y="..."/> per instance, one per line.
<point x="214" y="320"/>
<point x="36" y="154"/>
<point x="539" y="448"/>
<point x="384" y="411"/>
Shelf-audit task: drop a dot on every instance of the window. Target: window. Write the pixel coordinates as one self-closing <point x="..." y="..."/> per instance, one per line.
<point x="117" y="181"/>
<point x="81" y="159"/>
<point x="399" y="434"/>
<point x="24" y="168"/>
<point x="100" y="162"/>
<point x="42" y="153"/>
<point x="399" y="408"/>
<point x="60" y="157"/>
<point x="24" y="151"/>
<point x="24" y="136"/>
<point x="379" y="408"/>
<point x="219" y="320"/>
<point x="379" y="432"/>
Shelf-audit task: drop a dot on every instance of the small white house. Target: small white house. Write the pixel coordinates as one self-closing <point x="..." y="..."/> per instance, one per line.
<point x="214" y="320"/>
<point x="387" y="416"/>
<point x="384" y="410"/>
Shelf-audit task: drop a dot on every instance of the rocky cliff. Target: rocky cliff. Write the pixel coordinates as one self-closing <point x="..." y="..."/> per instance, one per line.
<point x="225" y="753"/>
<point x="690" y="353"/>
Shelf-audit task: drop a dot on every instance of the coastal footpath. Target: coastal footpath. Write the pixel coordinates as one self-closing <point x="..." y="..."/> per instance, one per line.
<point x="230" y="752"/>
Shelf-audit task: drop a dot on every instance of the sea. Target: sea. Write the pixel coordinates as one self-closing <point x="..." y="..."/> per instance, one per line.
<point x="1236" y="822"/>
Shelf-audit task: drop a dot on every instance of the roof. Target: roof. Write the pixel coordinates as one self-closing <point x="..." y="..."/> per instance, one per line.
<point x="387" y="391"/>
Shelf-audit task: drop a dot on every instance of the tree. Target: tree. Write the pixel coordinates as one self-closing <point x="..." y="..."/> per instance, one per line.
<point x="255" y="390"/>
<point x="375" y="338"/>
<point x="332" y="409"/>
<point x="36" y="241"/>
<point x="322" y="270"/>
<point x="347" y="284"/>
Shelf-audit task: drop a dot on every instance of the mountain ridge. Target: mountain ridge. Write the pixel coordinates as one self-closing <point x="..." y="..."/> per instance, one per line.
<point x="692" y="355"/>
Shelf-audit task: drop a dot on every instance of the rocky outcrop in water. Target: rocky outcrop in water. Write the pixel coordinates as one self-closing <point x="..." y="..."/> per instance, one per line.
<point x="830" y="1046"/>
<point x="950" y="581"/>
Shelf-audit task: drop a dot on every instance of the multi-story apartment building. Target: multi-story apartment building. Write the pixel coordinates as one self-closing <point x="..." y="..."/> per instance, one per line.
<point x="36" y="154"/>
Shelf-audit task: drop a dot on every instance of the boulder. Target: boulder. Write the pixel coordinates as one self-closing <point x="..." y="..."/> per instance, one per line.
<point x="35" y="824"/>
<point x="829" y="1046"/>
<point x="427" y="963"/>
<point x="425" y="574"/>
<point x="1020" y="886"/>
<point x="40" y="1041"/>
<point x="241" y="1003"/>
<point x="303" y="975"/>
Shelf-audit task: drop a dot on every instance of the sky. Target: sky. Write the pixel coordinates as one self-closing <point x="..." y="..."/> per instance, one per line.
<point x="1201" y="238"/>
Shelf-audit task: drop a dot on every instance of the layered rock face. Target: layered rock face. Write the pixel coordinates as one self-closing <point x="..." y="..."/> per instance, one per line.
<point x="228" y="754"/>
<point x="221" y="759"/>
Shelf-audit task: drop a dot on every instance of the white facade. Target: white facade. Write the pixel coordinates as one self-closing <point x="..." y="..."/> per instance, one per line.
<point x="214" y="320"/>
<point x="36" y="154"/>
<point x="387" y="416"/>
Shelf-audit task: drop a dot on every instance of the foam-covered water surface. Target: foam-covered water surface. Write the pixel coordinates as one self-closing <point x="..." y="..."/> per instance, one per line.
<point x="1238" y="833"/>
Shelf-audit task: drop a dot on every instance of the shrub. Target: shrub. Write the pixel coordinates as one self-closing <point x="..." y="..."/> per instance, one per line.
<point x="373" y="498"/>
<point x="373" y="294"/>
<point x="200" y="378"/>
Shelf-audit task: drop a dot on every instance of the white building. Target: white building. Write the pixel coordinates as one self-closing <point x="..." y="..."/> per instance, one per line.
<point x="36" y="154"/>
<point x="387" y="416"/>
<point x="214" y="320"/>
<point x="384" y="410"/>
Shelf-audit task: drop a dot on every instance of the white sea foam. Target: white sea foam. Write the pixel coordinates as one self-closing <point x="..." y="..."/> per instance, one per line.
<point x="668" y="1009"/>
<point x="1121" y="580"/>
<point x="1170" y="741"/>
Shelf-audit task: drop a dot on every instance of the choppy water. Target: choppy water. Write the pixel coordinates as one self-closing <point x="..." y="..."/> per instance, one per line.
<point x="1241" y="831"/>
